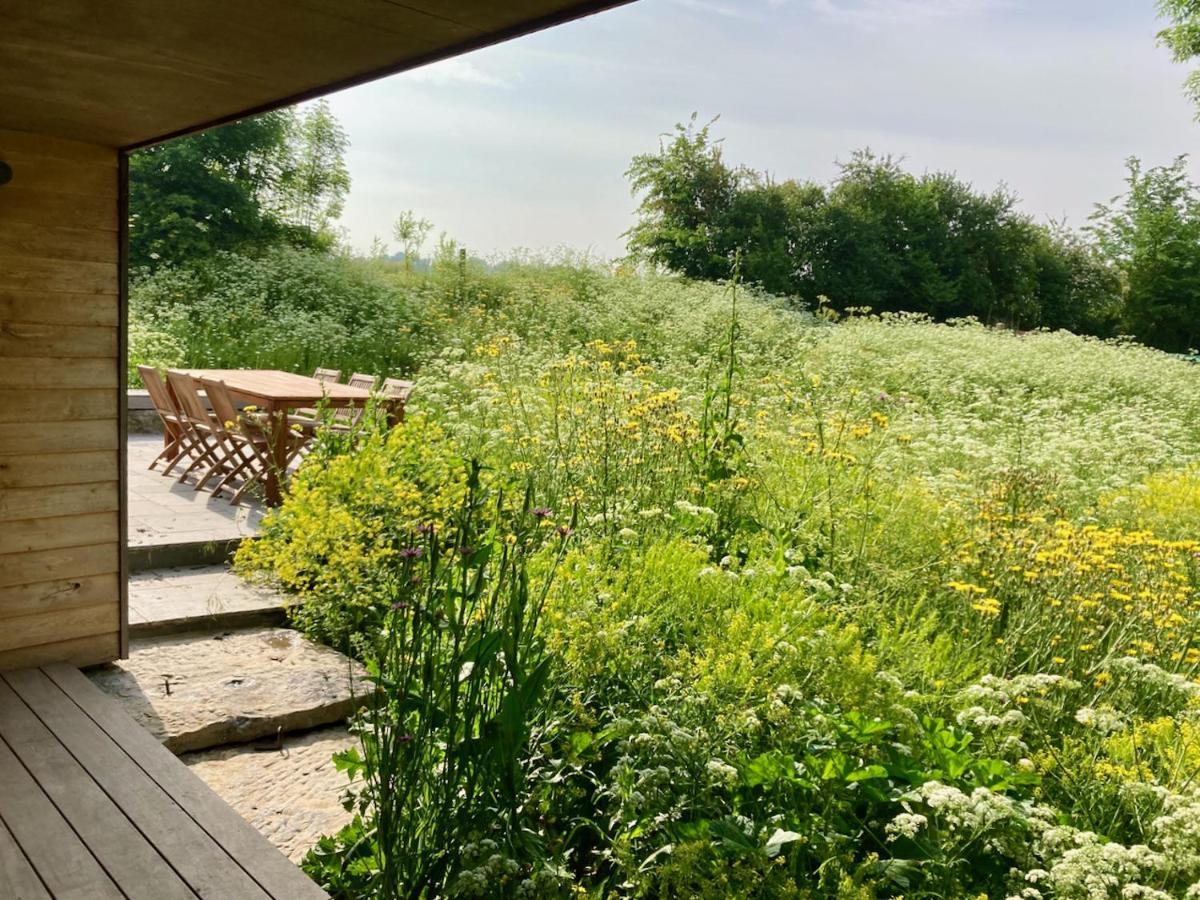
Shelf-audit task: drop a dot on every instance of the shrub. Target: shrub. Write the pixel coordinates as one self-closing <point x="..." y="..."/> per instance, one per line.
<point x="286" y="309"/>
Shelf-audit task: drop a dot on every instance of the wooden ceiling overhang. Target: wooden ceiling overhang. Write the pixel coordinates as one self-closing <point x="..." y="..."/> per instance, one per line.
<point x="127" y="73"/>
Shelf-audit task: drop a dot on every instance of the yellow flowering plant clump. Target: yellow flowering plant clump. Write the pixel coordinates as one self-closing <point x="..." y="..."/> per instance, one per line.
<point x="348" y="517"/>
<point x="1063" y="597"/>
<point x="1166" y="502"/>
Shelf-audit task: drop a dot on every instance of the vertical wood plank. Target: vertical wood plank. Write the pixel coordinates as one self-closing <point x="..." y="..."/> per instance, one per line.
<point x="61" y="369"/>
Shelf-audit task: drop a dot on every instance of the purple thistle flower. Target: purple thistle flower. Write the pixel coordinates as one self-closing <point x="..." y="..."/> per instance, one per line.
<point x="424" y="528"/>
<point x="565" y="532"/>
<point x="542" y="512"/>
<point x="399" y="607"/>
<point x="411" y="552"/>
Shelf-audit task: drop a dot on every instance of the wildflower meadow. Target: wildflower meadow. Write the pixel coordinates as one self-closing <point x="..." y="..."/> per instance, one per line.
<point x="668" y="589"/>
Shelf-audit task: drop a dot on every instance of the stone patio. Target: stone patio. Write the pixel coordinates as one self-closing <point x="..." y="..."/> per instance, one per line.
<point x="198" y="690"/>
<point x="164" y="512"/>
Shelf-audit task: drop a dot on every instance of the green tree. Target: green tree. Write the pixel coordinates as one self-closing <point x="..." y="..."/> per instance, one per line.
<point x="412" y="233"/>
<point x="1078" y="289"/>
<point x="687" y="194"/>
<point x="313" y="181"/>
<point x="878" y="237"/>
<point x="275" y="178"/>
<point x="1182" y="38"/>
<point x="1151" y="233"/>
<point x="894" y="241"/>
<point x="697" y="213"/>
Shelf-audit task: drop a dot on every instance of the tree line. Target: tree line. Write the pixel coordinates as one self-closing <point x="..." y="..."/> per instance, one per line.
<point x="886" y="239"/>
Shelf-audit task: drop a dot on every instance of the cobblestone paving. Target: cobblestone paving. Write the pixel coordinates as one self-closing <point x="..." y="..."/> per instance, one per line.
<point x="292" y="795"/>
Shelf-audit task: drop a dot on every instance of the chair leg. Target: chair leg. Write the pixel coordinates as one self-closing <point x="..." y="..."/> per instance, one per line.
<point x="185" y="452"/>
<point x="232" y="474"/>
<point x="169" y="452"/>
<point x="172" y="435"/>
<point x="205" y="457"/>
<point x="229" y="457"/>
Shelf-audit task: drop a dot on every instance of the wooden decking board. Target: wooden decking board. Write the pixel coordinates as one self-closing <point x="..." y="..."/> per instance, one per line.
<point x="93" y="807"/>
<point x="269" y="868"/>
<point x="69" y="870"/>
<point x="123" y="851"/>
<point x="199" y="859"/>
<point x="16" y="874"/>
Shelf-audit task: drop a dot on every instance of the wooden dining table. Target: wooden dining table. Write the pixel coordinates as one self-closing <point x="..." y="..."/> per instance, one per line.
<point x="275" y="393"/>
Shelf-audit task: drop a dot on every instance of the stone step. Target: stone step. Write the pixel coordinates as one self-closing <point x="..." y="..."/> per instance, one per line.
<point x="198" y="690"/>
<point x="291" y="793"/>
<point x="196" y="598"/>
<point x="145" y="557"/>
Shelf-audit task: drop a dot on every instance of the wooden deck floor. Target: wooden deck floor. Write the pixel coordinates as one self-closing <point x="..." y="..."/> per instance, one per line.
<point x="93" y="807"/>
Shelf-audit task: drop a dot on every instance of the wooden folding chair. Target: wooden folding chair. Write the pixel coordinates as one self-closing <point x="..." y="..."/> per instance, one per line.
<point x="174" y="446"/>
<point x="198" y="426"/>
<point x="307" y="415"/>
<point x="245" y="443"/>
<point x="395" y="393"/>
<point x="349" y="416"/>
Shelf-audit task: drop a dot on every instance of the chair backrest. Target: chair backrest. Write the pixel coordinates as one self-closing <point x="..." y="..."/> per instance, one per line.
<point x="190" y="404"/>
<point x="396" y="389"/>
<point x="221" y="402"/>
<point x="330" y="375"/>
<point x="157" y="389"/>
<point x="359" y="380"/>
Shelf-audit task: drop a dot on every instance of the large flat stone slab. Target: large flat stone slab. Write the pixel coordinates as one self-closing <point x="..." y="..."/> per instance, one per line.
<point x="193" y="598"/>
<point x="293" y="795"/>
<point x="193" y="691"/>
<point x="163" y="512"/>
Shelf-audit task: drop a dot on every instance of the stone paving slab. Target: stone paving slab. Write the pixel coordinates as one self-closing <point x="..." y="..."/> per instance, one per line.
<point x="163" y="512"/>
<point x="199" y="597"/>
<point x="292" y="795"/>
<point x="194" y="691"/>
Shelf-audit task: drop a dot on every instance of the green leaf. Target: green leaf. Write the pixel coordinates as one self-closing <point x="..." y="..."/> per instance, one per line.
<point x="780" y="839"/>
<point x="731" y="837"/>
<point x="771" y="767"/>
<point x="872" y="771"/>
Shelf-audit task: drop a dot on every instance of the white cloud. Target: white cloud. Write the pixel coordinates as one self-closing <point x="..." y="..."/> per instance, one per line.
<point x="725" y="10"/>
<point x="873" y="14"/>
<point x="456" y="71"/>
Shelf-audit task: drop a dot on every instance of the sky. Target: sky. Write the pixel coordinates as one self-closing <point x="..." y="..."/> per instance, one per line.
<point x="524" y="146"/>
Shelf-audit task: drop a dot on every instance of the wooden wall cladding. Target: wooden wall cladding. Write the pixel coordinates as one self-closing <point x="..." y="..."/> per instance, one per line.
<point x="60" y="535"/>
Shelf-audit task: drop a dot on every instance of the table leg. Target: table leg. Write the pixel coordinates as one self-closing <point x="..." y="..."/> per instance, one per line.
<point x="279" y="454"/>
